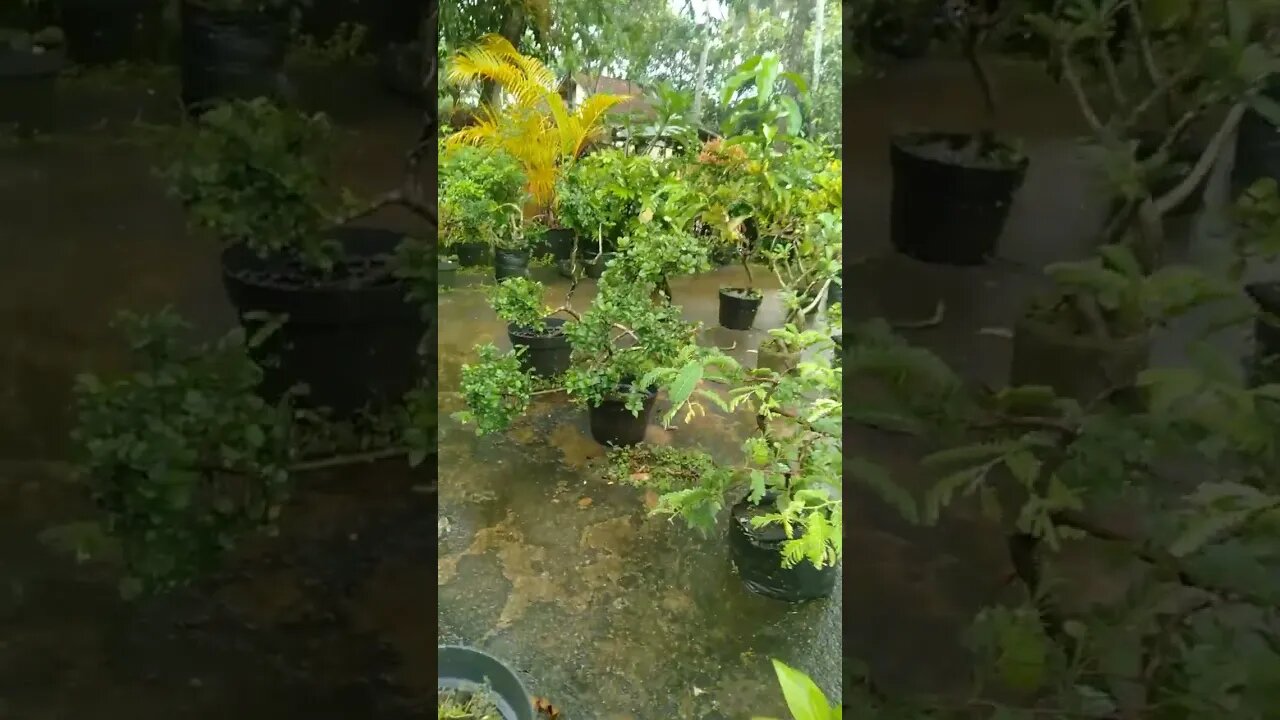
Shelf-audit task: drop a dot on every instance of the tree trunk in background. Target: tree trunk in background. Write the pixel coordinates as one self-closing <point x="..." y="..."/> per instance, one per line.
<point x="794" y="54"/>
<point x="819" y="30"/>
<point x="701" y="82"/>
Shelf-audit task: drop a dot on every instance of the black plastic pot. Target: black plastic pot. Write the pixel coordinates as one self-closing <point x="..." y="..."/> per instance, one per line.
<point x="1075" y="366"/>
<point x="510" y="263"/>
<point x="595" y="266"/>
<point x="835" y="294"/>
<point x="738" y="307"/>
<point x="231" y="55"/>
<point x="352" y="346"/>
<point x="1257" y="148"/>
<point x="462" y="668"/>
<point x="837" y="358"/>
<point x="560" y="242"/>
<point x="945" y="211"/>
<point x="400" y="67"/>
<point x="28" y="84"/>
<point x="101" y="32"/>
<point x="471" y="254"/>
<point x="546" y="354"/>
<point x="613" y="424"/>
<point x="757" y="556"/>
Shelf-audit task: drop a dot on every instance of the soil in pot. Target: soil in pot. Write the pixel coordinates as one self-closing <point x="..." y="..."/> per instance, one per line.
<point x="351" y="336"/>
<point x="1075" y="366"/>
<point x="471" y="254"/>
<point x="613" y="424"/>
<point x="757" y="556"/>
<point x="738" y="307"/>
<point x="510" y="263"/>
<point x="770" y="356"/>
<point x="464" y="671"/>
<point x="950" y="200"/>
<point x="102" y="32"/>
<point x="546" y="353"/>
<point x="231" y="55"/>
<point x="595" y="266"/>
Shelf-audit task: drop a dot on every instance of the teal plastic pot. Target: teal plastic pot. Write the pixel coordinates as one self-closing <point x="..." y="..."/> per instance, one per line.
<point x="467" y="669"/>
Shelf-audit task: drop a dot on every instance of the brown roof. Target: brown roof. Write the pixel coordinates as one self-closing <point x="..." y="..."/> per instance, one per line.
<point x="614" y="86"/>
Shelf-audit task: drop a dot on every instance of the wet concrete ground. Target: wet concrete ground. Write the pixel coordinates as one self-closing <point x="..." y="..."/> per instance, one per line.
<point x="604" y="611"/>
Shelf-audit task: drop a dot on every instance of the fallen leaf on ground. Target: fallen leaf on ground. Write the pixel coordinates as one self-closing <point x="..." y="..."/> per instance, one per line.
<point x="650" y="499"/>
<point x="544" y="708"/>
<point x="584" y="502"/>
<point x="639" y="476"/>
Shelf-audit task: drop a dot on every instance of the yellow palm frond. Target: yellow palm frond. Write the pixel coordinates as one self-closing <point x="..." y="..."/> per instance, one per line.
<point x="588" y="120"/>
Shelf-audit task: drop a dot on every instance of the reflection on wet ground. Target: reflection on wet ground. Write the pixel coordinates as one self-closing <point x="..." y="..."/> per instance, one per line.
<point x="605" y="611"/>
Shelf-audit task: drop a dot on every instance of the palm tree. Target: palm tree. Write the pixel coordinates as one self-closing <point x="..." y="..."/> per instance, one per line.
<point x="536" y="125"/>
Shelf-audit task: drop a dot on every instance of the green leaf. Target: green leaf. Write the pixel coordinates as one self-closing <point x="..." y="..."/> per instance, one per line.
<point x="804" y="699"/>
<point x="1239" y="21"/>
<point x="682" y="387"/>
<point x="1266" y="107"/>
<point x="1024" y="465"/>
<point x="877" y="479"/>
<point x="794" y="116"/>
<point x="1204" y="529"/>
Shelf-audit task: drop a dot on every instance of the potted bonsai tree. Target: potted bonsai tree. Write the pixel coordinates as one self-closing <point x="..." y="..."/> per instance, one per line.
<point x="622" y="336"/>
<point x="1102" y="315"/>
<point x="804" y="270"/>
<point x="720" y="175"/>
<point x="234" y="49"/>
<point x="480" y="191"/>
<point x="513" y="243"/>
<point x="477" y="686"/>
<point x="29" y="65"/>
<point x="599" y="197"/>
<point x="256" y="176"/>
<point x="952" y="191"/>
<point x="181" y="454"/>
<point x="531" y="326"/>
<point x="784" y="535"/>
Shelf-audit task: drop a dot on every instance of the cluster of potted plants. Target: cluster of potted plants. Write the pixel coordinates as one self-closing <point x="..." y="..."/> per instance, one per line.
<point x="638" y="222"/>
<point x="1081" y="446"/>
<point x="198" y="444"/>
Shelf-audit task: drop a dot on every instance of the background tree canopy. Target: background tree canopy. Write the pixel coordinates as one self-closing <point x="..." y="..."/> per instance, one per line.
<point x="691" y="44"/>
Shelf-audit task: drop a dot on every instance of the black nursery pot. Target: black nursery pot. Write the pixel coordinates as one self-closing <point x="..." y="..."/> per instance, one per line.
<point x="944" y="211"/>
<point x="613" y="424"/>
<point x="28" y="82"/>
<point x="353" y="343"/>
<point x="101" y="32"/>
<point x="510" y="263"/>
<point x="738" y="307"/>
<point x="835" y="294"/>
<point x="595" y="266"/>
<point x="465" y="669"/>
<point x="231" y="55"/>
<point x="560" y="242"/>
<point x="757" y="555"/>
<point x="471" y="254"/>
<point x="546" y="354"/>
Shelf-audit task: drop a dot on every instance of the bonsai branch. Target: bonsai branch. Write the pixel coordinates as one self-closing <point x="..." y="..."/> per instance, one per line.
<point x="1072" y="76"/>
<point x="1204" y="163"/>
<point x="1151" y="555"/>
<point x="344" y="460"/>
